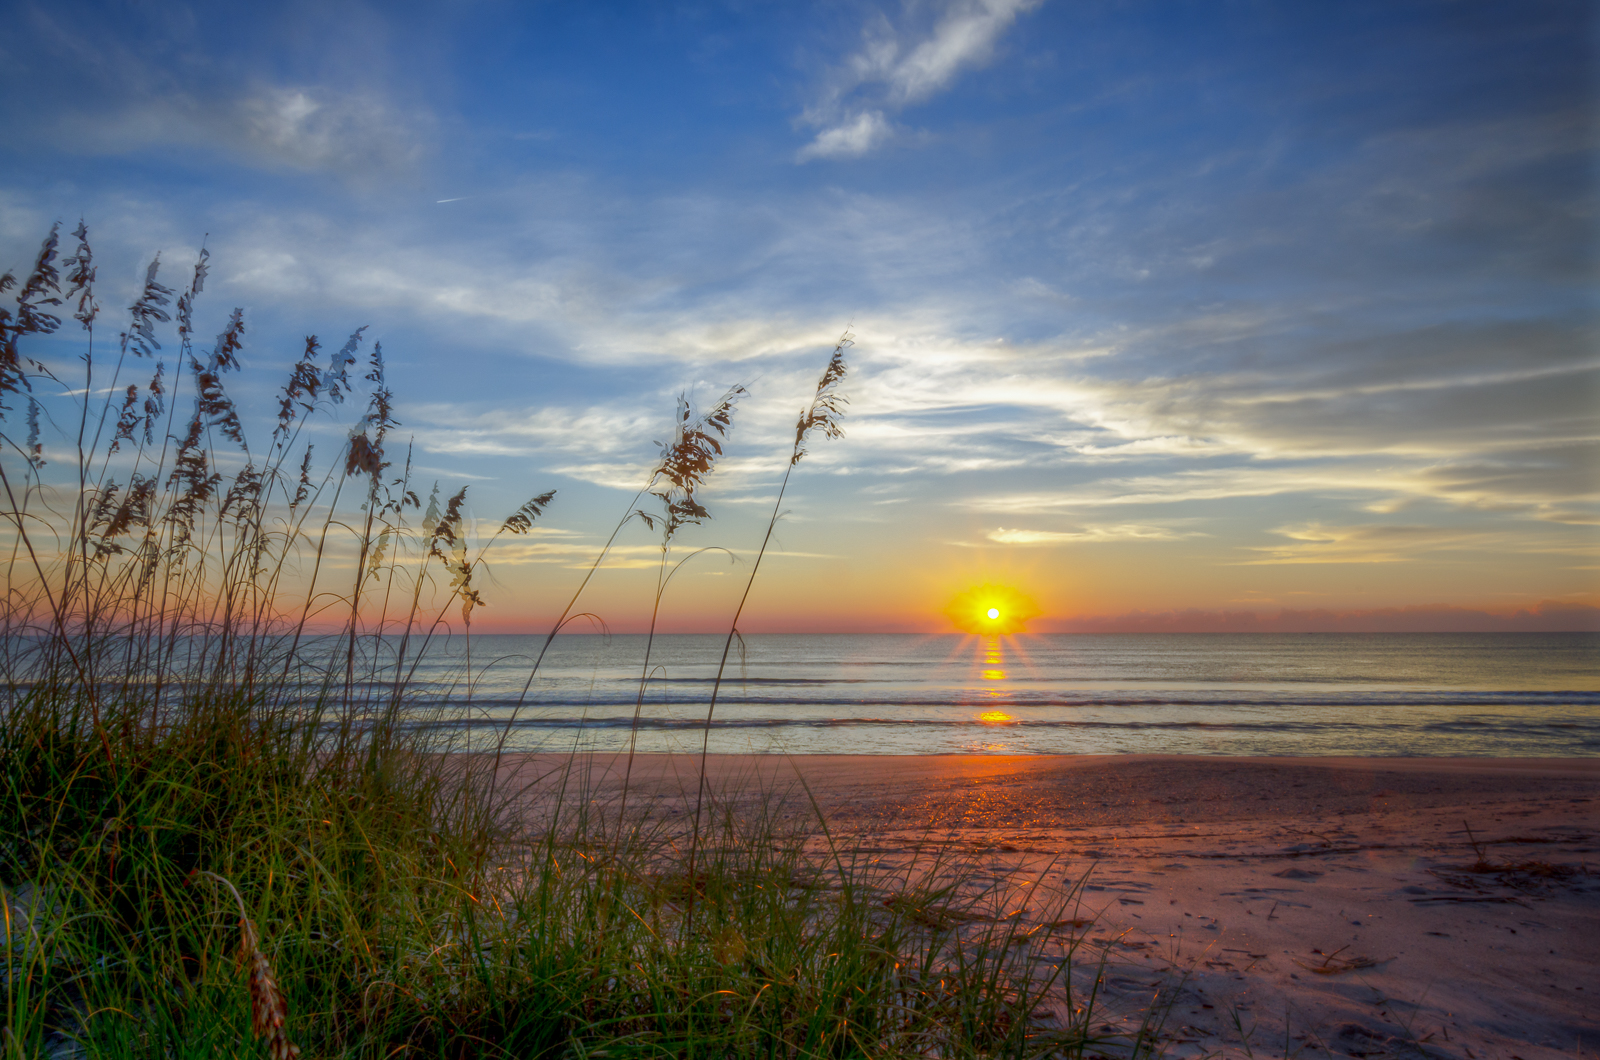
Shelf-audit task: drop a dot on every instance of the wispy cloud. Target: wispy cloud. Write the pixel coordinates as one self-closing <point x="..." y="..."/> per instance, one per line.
<point x="1197" y="485"/>
<point x="1059" y="421"/>
<point x="1090" y="534"/>
<point x="897" y="67"/>
<point x="575" y="555"/>
<point x="850" y="138"/>
<point x="356" y="135"/>
<point x="599" y="429"/>
<point x="310" y="128"/>
<point x="1545" y="484"/>
<point x="1371" y="543"/>
<point x="147" y="80"/>
<point x="1549" y="615"/>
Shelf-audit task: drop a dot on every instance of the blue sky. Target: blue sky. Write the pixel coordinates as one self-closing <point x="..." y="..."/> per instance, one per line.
<point x="1158" y="306"/>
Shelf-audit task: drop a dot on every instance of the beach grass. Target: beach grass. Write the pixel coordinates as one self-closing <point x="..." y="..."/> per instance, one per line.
<point x="223" y="832"/>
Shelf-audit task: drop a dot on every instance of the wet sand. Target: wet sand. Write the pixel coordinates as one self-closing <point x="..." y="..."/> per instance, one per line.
<point x="1269" y="906"/>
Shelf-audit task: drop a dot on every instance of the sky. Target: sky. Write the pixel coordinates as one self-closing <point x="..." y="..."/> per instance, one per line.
<point x="1166" y="315"/>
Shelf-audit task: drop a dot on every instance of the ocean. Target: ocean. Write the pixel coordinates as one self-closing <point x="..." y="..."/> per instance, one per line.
<point x="1505" y="695"/>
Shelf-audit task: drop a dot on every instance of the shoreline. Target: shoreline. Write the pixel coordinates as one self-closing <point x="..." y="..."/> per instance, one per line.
<point x="1063" y="791"/>
<point x="1202" y="778"/>
<point x="1535" y="763"/>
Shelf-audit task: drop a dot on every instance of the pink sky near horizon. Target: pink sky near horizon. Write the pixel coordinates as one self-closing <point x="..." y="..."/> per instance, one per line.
<point x="1545" y="617"/>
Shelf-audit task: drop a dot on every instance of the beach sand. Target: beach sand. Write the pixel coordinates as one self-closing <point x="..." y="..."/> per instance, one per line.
<point x="1266" y="906"/>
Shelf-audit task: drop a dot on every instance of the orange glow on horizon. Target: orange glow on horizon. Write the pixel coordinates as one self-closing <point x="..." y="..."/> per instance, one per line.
<point x="991" y="609"/>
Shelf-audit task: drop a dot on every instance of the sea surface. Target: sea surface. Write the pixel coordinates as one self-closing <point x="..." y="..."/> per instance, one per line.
<point x="1521" y="694"/>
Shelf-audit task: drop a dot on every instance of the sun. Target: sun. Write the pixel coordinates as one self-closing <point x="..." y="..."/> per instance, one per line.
<point x="991" y="609"/>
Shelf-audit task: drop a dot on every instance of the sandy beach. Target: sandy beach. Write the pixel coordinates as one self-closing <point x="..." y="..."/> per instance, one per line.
<point x="1264" y="906"/>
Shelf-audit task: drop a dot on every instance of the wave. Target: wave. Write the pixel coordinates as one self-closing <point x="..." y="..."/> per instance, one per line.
<point x="968" y="699"/>
<point x="1283" y="726"/>
<point x="1010" y="679"/>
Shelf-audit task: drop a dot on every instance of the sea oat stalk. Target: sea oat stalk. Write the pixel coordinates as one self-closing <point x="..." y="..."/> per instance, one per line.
<point x="269" y="1009"/>
<point x="822" y="415"/>
<point x="676" y="482"/>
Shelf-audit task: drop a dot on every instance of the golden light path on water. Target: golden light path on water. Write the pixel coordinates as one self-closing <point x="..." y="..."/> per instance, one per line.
<point x="994" y="614"/>
<point x="992" y="666"/>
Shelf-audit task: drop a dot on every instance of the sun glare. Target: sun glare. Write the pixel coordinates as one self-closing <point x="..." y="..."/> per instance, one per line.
<point x="991" y="609"/>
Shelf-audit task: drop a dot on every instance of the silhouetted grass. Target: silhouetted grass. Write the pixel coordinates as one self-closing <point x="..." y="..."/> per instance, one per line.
<point x="221" y="833"/>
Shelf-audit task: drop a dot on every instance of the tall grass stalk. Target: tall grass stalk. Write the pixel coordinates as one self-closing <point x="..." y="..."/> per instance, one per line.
<point x="821" y="416"/>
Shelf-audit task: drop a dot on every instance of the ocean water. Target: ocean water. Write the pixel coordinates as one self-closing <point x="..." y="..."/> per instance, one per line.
<point x="1237" y="694"/>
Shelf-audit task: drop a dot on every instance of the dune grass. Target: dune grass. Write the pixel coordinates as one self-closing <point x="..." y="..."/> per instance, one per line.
<point x="222" y="835"/>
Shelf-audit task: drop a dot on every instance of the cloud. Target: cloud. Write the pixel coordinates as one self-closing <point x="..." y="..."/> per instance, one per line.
<point x="964" y="37"/>
<point x="142" y="80"/>
<point x="1197" y="485"/>
<point x="1547" y="484"/>
<point x="356" y="135"/>
<point x="576" y="555"/>
<point x="598" y="429"/>
<point x="311" y="128"/>
<point x="855" y="137"/>
<point x="897" y="68"/>
<point x="1164" y="399"/>
<point x="1120" y="532"/>
<point x="1546" y="617"/>
<point x="1372" y="543"/>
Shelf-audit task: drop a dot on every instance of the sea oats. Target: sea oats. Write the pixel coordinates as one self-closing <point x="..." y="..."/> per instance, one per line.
<point x="127" y="419"/>
<point x="43" y="288"/>
<point x="243" y="498"/>
<point x="197" y="283"/>
<point x="230" y="341"/>
<point x="299" y="392"/>
<point x="823" y="415"/>
<point x="269" y="1009"/>
<point x="147" y="310"/>
<point x="33" y="447"/>
<point x="336" y="380"/>
<point x="155" y="404"/>
<point x="687" y="461"/>
<point x="80" y="278"/>
<point x="825" y="411"/>
<point x="196" y="482"/>
<point x="213" y="404"/>
<point x="303" y="483"/>
<point x="521" y="520"/>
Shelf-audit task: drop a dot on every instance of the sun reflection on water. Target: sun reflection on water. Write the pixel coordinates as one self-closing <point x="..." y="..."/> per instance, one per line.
<point x="995" y="660"/>
<point x="993" y="665"/>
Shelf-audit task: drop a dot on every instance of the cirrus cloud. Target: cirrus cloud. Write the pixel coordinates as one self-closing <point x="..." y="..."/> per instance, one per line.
<point x="898" y="67"/>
